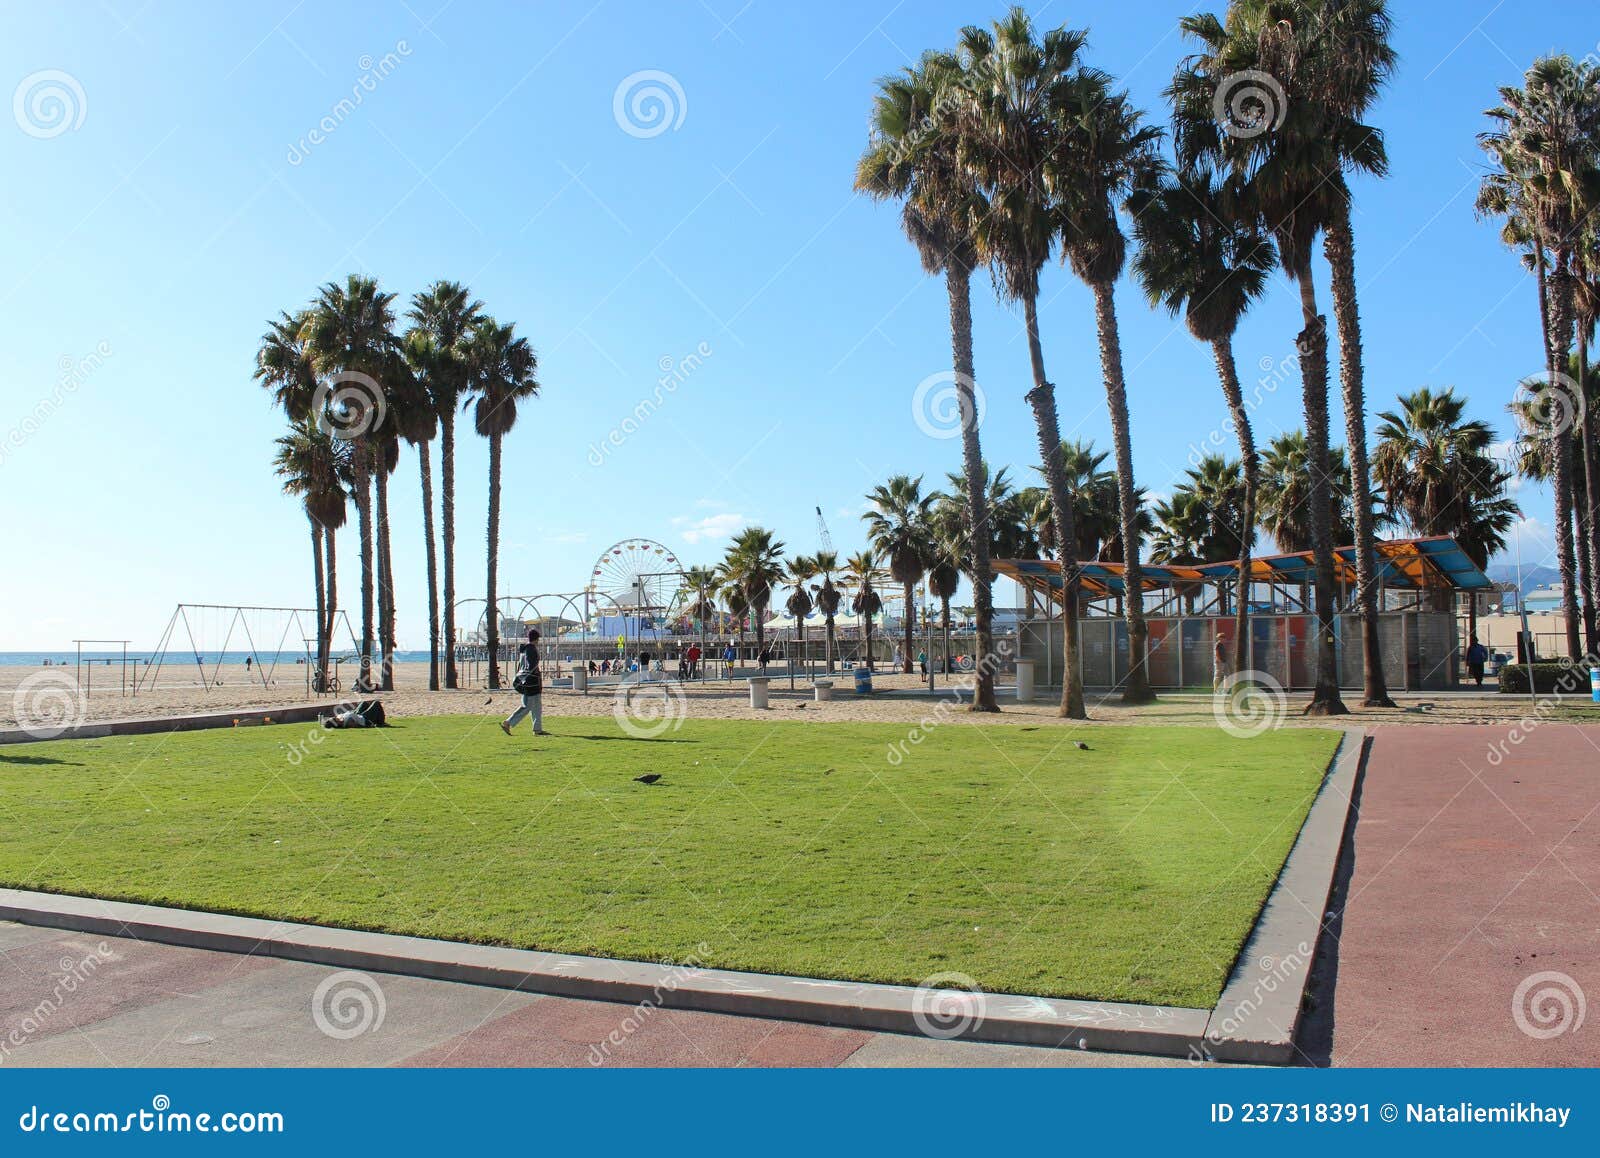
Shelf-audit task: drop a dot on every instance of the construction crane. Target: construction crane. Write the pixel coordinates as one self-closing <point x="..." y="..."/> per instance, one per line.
<point x="822" y="532"/>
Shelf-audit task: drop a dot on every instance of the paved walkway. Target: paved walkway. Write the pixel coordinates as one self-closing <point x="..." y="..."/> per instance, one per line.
<point x="1475" y="866"/>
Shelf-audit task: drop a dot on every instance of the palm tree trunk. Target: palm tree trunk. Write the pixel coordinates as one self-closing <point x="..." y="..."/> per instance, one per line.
<point x="492" y="613"/>
<point x="1589" y="513"/>
<point x="363" y="489"/>
<point x="326" y="643"/>
<point x="911" y="626"/>
<point x="829" y="623"/>
<point x="1137" y="688"/>
<point x="1339" y="246"/>
<point x="1580" y="513"/>
<point x="426" y="467"/>
<point x="1228" y="374"/>
<point x="385" y="585"/>
<point x="944" y="601"/>
<point x="958" y="283"/>
<point x="447" y="517"/>
<point x="1561" y="475"/>
<point x="1313" y="345"/>
<point x="1043" y="400"/>
<point x="322" y="588"/>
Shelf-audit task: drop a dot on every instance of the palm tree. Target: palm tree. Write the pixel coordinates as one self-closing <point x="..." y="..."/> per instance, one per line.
<point x="828" y="596"/>
<point x="1217" y="486"/>
<point x="447" y="313"/>
<point x="700" y="583"/>
<point x="898" y="528"/>
<point x="1096" y="498"/>
<point x="800" y="570"/>
<point x="1291" y="157"/>
<point x="754" y="565"/>
<point x="1204" y="253"/>
<point x="1106" y="153"/>
<point x="312" y="464"/>
<point x="1008" y="130"/>
<point x="1286" y="493"/>
<point x="1546" y="144"/>
<point x="863" y="571"/>
<point x="419" y="425"/>
<point x="952" y="554"/>
<point x="349" y="334"/>
<point x="504" y="371"/>
<point x="913" y="155"/>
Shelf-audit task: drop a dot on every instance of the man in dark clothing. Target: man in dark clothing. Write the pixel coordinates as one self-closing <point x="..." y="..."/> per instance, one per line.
<point x="1477" y="654"/>
<point x="530" y="684"/>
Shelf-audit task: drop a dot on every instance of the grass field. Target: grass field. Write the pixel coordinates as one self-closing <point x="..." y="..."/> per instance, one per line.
<point x="1131" y="871"/>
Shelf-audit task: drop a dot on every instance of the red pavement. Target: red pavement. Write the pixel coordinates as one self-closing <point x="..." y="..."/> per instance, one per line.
<point x="1477" y="866"/>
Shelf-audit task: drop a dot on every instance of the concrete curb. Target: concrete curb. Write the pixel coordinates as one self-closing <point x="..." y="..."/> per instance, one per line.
<point x="1256" y="1017"/>
<point x="950" y="1013"/>
<point x="198" y="721"/>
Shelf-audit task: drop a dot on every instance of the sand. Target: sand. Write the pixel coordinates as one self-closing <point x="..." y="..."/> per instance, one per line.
<point x="29" y="694"/>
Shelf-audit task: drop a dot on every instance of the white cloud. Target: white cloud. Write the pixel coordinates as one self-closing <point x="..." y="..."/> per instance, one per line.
<point x="710" y="529"/>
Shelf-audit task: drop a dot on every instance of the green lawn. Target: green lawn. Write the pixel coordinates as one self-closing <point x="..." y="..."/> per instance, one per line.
<point x="1132" y="871"/>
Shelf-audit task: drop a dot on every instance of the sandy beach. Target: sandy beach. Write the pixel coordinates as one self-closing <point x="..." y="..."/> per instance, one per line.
<point x="32" y="690"/>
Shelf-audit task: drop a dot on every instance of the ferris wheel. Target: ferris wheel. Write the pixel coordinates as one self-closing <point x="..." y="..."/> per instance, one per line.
<point x="637" y="574"/>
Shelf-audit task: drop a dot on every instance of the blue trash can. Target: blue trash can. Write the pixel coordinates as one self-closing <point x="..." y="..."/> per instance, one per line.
<point x="864" y="681"/>
<point x="1594" y="684"/>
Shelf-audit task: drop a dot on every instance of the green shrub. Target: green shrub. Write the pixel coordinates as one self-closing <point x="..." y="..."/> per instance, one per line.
<point x="1557" y="678"/>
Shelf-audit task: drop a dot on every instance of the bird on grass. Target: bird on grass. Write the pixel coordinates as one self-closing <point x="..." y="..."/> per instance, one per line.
<point x="1080" y="745"/>
<point x="648" y="778"/>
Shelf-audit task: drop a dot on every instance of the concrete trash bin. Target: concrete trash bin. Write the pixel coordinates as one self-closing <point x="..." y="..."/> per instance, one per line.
<point x="1024" y="681"/>
<point x="758" y="691"/>
<point x="580" y="679"/>
<point x="822" y="690"/>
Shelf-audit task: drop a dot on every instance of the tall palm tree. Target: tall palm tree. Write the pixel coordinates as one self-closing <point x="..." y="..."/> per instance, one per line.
<point x="312" y="464"/>
<point x="754" y="566"/>
<point x="828" y="597"/>
<point x="700" y="584"/>
<point x="1107" y="152"/>
<point x="504" y="372"/>
<point x="863" y="572"/>
<point x="1291" y="159"/>
<point x="447" y="313"/>
<point x="1203" y="252"/>
<point x="419" y="425"/>
<point x="386" y="460"/>
<point x="1546" y="146"/>
<point x="913" y="155"/>
<point x="898" y="528"/>
<point x="349" y="333"/>
<point x="1009" y="131"/>
<point x="799" y="571"/>
<point x="952" y="553"/>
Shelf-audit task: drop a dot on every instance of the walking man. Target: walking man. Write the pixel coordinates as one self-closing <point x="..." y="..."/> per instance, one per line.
<point x="1477" y="655"/>
<point x="1219" y="663"/>
<point x="530" y="685"/>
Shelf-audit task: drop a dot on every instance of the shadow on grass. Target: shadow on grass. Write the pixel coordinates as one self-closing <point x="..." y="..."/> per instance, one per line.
<point x="629" y="739"/>
<point x="4" y="759"/>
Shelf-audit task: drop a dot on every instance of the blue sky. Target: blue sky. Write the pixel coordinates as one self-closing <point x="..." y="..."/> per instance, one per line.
<point x="185" y="202"/>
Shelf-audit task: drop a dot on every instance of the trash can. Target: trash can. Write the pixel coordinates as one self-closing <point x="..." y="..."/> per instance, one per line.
<point x="863" y="681"/>
<point x="758" y="691"/>
<point x="1025" y="681"/>
<point x="580" y="679"/>
<point x="1594" y="684"/>
<point x="822" y="690"/>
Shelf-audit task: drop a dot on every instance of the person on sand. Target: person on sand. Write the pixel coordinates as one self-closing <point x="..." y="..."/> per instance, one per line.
<point x="530" y="684"/>
<point x="1219" y="663"/>
<point x="1477" y="655"/>
<point x="694" y="660"/>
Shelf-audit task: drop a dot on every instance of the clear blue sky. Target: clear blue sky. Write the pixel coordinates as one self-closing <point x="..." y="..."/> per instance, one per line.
<point x="147" y="246"/>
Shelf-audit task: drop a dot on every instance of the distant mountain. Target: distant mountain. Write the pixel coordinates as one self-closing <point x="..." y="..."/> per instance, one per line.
<point x="1532" y="577"/>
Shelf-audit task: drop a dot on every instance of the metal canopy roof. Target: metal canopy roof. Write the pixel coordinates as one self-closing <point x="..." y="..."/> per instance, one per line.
<point x="1414" y="564"/>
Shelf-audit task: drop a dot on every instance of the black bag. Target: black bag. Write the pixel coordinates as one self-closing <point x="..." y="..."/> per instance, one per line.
<point x="527" y="682"/>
